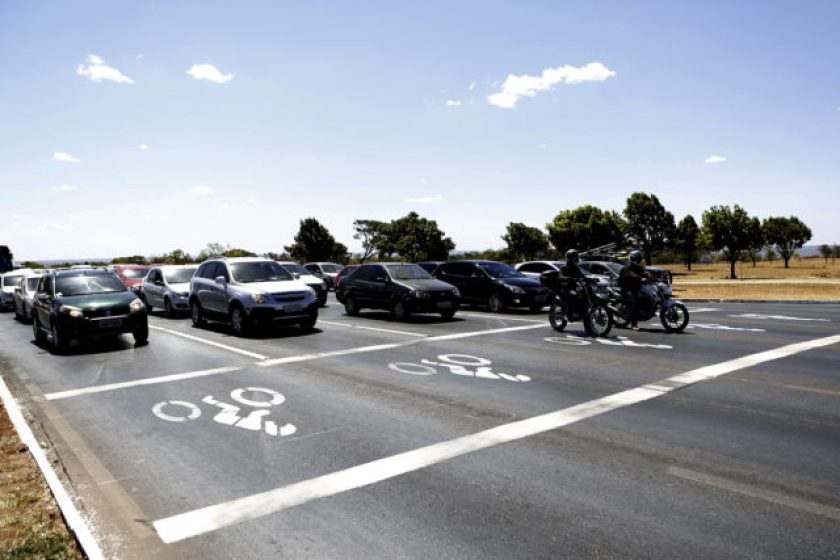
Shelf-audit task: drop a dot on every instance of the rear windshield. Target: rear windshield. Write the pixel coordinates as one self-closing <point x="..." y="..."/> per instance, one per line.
<point x="500" y="270"/>
<point x="84" y="285"/>
<point x="295" y="268"/>
<point x="133" y="272"/>
<point x="12" y="280"/>
<point x="407" y="272"/>
<point x="330" y="267"/>
<point x="262" y="271"/>
<point x="179" y="275"/>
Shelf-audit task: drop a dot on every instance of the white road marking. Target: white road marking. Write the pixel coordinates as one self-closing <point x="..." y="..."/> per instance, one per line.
<point x="715" y="326"/>
<point x="138" y="382"/>
<point x="194" y="411"/>
<point x="500" y="317"/>
<point x="71" y="514"/>
<point x="211" y="343"/>
<point x="204" y="520"/>
<point x="778" y="317"/>
<point x="814" y="390"/>
<point x="756" y="492"/>
<point x="378" y="329"/>
<point x="702" y="309"/>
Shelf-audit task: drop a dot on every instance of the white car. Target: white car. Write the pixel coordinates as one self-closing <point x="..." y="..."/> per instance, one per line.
<point x="24" y="295"/>
<point x="8" y="282"/>
<point x="326" y="271"/>
<point x="533" y="269"/>
<point x="305" y="276"/>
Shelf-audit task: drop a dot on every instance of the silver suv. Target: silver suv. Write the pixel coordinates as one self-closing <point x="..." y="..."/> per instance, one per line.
<point x="168" y="287"/>
<point x="307" y="278"/>
<point x="250" y="291"/>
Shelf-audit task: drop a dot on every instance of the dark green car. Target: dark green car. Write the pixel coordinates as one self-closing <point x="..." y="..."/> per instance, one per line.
<point x="86" y="304"/>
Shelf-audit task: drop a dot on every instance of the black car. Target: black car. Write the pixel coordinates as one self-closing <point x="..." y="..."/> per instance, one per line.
<point x="494" y="284"/>
<point x="400" y="288"/>
<point x="86" y="304"/>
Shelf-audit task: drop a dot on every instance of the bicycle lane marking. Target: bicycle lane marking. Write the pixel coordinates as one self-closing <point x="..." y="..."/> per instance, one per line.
<point x="211" y="518"/>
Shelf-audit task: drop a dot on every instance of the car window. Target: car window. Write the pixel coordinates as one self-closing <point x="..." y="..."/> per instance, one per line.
<point x="202" y="270"/>
<point x="85" y="284"/>
<point x="311" y="267"/>
<point x="32" y="283"/>
<point x="177" y="275"/>
<point x="363" y="272"/>
<point x="534" y="267"/>
<point x="377" y="273"/>
<point x="259" y="271"/>
<point x="331" y="268"/>
<point x="499" y="270"/>
<point x="12" y="280"/>
<point x="133" y="273"/>
<point x="407" y="272"/>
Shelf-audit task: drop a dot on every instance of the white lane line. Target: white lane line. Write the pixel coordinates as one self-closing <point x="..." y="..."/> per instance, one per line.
<point x="211" y="518"/>
<point x="757" y="492"/>
<point x="813" y="390"/>
<point x="778" y="317"/>
<point x="71" y="515"/>
<point x="501" y="317"/>
<point x="211" y="343"/>
<point x="702" y="309"/>
<point x="356" y="326"/>
<point x="138" y="382"/>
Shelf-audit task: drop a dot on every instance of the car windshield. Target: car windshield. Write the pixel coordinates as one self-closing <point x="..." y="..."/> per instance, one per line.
<point x="331" y="267"/>
<point x="614" y="267"/>
<point x="12" y="280"/>
<point x="32" y="283"/>
<point x="500" y="270"/>
<point x="133" y="272"/>
<point x="295" y="269"/>
<point x="87" y="284"/>
<point x="407" y="272"/>
<point x="179" y="275"/>
<point x="260" y="271"/>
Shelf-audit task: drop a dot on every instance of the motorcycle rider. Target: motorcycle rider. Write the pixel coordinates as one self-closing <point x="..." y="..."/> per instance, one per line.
<point x="630" y="280"/>
<point x="571" y="268"/>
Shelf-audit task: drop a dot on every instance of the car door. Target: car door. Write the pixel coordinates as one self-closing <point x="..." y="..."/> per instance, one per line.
<point x="42" y="303"/>
<point x="480" y="284"/>
<point x="362" y="286"/>
<point x="152" y="289"/>
<point x="379" y="288"/>
<point x="202" y="284"/>
<point x="217" y="293"/>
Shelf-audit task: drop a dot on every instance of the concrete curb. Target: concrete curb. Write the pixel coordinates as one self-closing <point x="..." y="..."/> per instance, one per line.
<point x="707" y="300"/>
<point x="75" y="521"/>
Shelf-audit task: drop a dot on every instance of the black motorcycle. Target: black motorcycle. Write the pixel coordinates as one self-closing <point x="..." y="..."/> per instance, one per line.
<point x="654" y="297"/>
<point x="576" y="300"/>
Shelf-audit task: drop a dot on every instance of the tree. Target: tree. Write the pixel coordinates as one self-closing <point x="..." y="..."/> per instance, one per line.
<point x="284" y="256"/>
<point x="727" y="230"/>
<point x="826" y="251"/>
<point x="585" y="227"/>
<point x="647" y="224"/>
<point x="213" y="250"/>
<point x="835" y="252"/>
<point x="756" y="240"/>
<point x="787" y="234"/>
<point x="32" y="264"/>
<point x="133" y="259"/>
<point x="525" y="242"/>
<point x="177" y="256"/>
<point x="686" y="240"/>
<point x="314" y="242"/>
<point x="370" y="233"/>
<point x="235" y="252"/>
<point x="6" y="259"/>
<point x="770" y="255"/>
<point x="415" y="239"/>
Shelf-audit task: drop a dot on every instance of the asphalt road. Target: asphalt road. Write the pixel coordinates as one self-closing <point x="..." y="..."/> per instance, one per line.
<point x="340" y="451"/>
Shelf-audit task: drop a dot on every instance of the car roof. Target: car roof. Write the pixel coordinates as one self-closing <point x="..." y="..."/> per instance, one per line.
<point x="81" y="272"/>
<point x="239" y="259"/>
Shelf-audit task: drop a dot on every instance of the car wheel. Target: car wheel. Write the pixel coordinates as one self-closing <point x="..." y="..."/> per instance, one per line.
<point x="495" y="304"/>
<point x="448" y="314"/>
<point x="40" y="336"/>
<point x="400" y="311"/>
<point x="59" y="341"/>
<point x="141" y="335"/>
<point x="239" y="320"/>
<point x="197" y="314"/>
<point x="309" y="323"/>
<point x="167" y="308"/>
<point x="350" y="306"/>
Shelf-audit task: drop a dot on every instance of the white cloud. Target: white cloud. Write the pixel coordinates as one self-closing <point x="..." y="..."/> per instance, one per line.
<point x="140" y="56"/>
<point x="67" y="188"/>
<point x="515" y="87"/>
<point x="424" y="199"/>
<point x="97" y="71"/>
<point x="543" y="146"/>
<point x="201" y="189"/>
<point x="144" y="148"/>
<point x="453" y="102"/>
<point x="471" y="87"/>
<point x="74" y="217"/>
<point x="210" y="73"/>
<point x="64" y="156"/>
<point x="714" y="159"/>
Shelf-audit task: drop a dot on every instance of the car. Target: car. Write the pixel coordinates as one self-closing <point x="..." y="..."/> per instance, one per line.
<point x="307" y="278"/>
<point x="25" y="295"/>
<point x="326" y="271"/>
<point x="249" y="292"/>
<point x="429" y="266"/>
<point x="131" y="274"/>
<point x="343" y="273"/>
<point x="533" y="269"/>
<point x="611" y="270"/>
<point x="495" y="284"/>
<point x="168" y="287"/>
<point x="84" y="304"/>
<point x="400" y="288"/>
<point x="8" y="283"/>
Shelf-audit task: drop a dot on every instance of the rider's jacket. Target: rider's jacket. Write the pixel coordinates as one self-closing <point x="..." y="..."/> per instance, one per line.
<point x="572" y="270"/>
<point x="631" y="276"/>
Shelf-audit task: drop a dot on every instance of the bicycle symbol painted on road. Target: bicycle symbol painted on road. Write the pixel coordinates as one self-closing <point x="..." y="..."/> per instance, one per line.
<point x="229" y="414"/>
<point x="457" y="364"/>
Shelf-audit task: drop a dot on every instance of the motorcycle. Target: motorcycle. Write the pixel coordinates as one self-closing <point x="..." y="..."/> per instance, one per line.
<point x="654" y="297"/>
<point x="575" y="299"/>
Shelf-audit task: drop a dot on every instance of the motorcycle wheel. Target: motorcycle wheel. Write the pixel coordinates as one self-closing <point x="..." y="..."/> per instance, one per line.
<point x="674" y="318"/>
<point x="598" y="322"/>
<point x="620" y="319"/>
<point x="557" y="316"/>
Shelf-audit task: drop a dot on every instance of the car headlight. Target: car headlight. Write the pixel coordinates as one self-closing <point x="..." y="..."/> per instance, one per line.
<point x="135" y="306"/>
<point x="258" y="298"/>
<point x="184" y="294"/>
<point x="421" y="294"/>
<point x="74" y="312"/>
<point x="455" y="292"/>
<point x="515" y="289"/>
<point x="310" y="291"/>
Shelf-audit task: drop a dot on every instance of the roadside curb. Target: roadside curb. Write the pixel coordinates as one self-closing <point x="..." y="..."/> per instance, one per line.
<point x="708" y="300"/>
<point x="75" y="521"/>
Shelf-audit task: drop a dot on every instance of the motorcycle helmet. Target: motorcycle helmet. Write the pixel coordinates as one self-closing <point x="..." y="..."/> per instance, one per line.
<point x="636" y="257"/>
<point x="572" y="256"/>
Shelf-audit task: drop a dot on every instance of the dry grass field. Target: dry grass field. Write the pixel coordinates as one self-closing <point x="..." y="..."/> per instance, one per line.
<point x="806" y="279"/>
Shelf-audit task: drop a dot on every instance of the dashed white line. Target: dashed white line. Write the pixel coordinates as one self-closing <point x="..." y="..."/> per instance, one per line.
<point x="211" y="343"/>
<point x="501" y="317"/>
<point x="192" y="523"/>
<point x="377" y="329"/>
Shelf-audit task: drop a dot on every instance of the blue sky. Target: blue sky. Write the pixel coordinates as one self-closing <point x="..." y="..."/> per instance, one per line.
<point x="346" y="110"/>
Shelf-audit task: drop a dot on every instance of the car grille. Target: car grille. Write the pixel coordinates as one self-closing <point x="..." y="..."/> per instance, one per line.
<point x="288" y="296"/>
<point x="104" y="312"/>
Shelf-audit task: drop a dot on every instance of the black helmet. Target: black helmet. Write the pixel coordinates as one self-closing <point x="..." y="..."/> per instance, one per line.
<point x="572" y="256"/>
<point x="636" y="257"/>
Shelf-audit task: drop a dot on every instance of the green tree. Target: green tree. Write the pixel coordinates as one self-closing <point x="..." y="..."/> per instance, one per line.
<point x="371" y="234"/>
<point x="686" y="240"/>
<point x="6" y="259"/>
<point x="770" y="255"/>
<point x="177" y="256"/>
<point x="133" y="259"/>
<point x="525" y="242"/>
<point x="212" y="251"/>
<point x="787" y="234"/>
<point x="415" y="239"/>
<point x="585" y="227"/>
<point x="835" y="252"/>
<point x="235" y="252"/>
<point x="647" y="224"/>
<point x="826" y="251"/>
<point x="726" y="229"/>
<point x="32" y="264"/>
<point x="755" y="234"/>
<point x="314" y="242"/>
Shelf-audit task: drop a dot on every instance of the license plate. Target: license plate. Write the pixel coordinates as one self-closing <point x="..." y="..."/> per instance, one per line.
<point x="110" y="323"/>
<point x="444" y="304"/>
<point x="294" y="307"/>
<point x="539" y="298"/>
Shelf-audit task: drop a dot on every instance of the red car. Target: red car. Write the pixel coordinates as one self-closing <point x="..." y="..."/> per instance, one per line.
<point x="131" y="274"/>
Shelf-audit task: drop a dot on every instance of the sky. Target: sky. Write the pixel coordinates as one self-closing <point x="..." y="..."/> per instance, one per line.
<point x="141" y="127"/>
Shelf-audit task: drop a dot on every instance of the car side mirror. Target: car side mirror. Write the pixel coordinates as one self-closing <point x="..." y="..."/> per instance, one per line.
<point x="221" y="280"/>
<point x="476" y="274"/>
<point x="296" y="275"/>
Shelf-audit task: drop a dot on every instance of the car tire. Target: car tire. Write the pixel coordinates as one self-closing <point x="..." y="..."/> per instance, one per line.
<point x="495" y="304"/>
<point x="40" y="335"/>
<point x="197" y="314"/>
<point x="400" y="311"/>
<point x="309" y="323"/>
<point x="141" y="335"/>
<point x="59" y="341"/>
<point x="350" y="306"/>
<point x="239" y="320"/>
<point x="168" y="310"/>
<point x="448" y="314"/>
